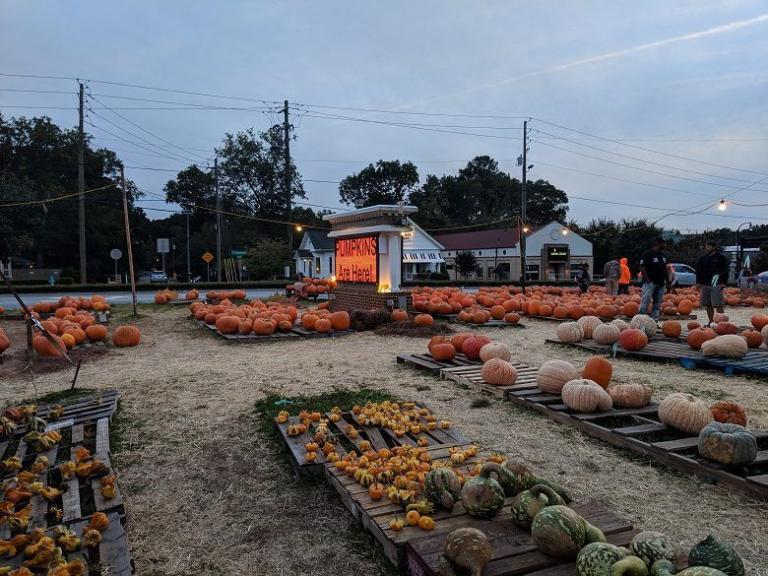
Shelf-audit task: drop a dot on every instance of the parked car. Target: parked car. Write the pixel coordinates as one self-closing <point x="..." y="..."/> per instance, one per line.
<point x="158" y="276"/>
<point x="686" y="276"/>
<point x="761" y="278"/>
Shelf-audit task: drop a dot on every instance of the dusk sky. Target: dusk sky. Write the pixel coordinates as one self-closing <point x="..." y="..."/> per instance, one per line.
<point x="680" y="89"/>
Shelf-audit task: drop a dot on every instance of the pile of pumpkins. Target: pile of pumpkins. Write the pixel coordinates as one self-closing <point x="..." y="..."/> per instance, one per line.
<point x="70" y="331"/>
<point x="721" y="338"/>
<point x="167" y="295"/>
<point x="96" y="303"/>
<point x="219" y="295"/>
<point x="497" y="369"/>
<point x="311" y="287"/>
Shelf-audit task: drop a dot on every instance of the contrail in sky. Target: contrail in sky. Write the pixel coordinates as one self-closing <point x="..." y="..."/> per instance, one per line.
<point x="724" y="28"/>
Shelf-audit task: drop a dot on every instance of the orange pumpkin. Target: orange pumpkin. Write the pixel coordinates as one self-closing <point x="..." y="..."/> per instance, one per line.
<point x="69" y="341"/>
<point x="44" y="347"/>
<point x="443" y="352"/>
<point x="399" y="315"/>
<point x="599" y="370"/>
<point x="633" y="339"/>
<point x="753" y="337"/>
<point x="323" y="325"/>
<point x="729" y="412"/>
<point x="126" y="336"/>
<point x="423" y="320"/>
<point x="698" y="336"/>
<point x="228" y="324"/>
<point x="671" y="329"/>
<point x="630" y="309"/>
<point x="339" y="320"/>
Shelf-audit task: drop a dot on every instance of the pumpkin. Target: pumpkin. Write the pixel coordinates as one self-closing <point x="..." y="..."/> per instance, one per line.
<point x="126" y="336"/>
<point x="530" y="502"/>
<point x="753" y="338"/>
<point x="693" y="325"/>
<point x="96" y="332"/>
<point x="729" y="444"/>
<point x="399" y="315"/>
<point x="630" y="309"/>
<point x="665" y="567"/>
<point x="423" y="320"/>
<point x="161" y="298"/>
<point x="684" y="412"/>
<point x="228" y="324"/>
<point x="263" y="327"/>
<point x="426" y="523"/>
<point x="685" y="306"/>
<point x="729" y="412"/>
<point x="339" y="320"/>
<point x="651" y="546"/>
<point x="442" y="487"/>
<point x="458" y="340"/>
<point x="728" y="346"/>
<point x="469" y="549"/>
<point x="5" y="342"/>
<point x="512" y="318"/>
<point x="553" y="374"/>
<point x="482" y="496"/>
<point x="603" y="559"/>
<point x="698" y="336"/>
<point x="671" y="329"/>
<point x="323" y="325"/>
<point x="472" y="345"/>
<point x="588" y="324"/>
<point x="606" y="334"/>
<point x="44" y="347"/>
<point x="599" y="370"/>
<point x="633" y="339"/>
<point x="560" y="532"/>
<point x="495" y="350"/>
<point x="620" y="324"/>
<point x="759" y="321"/>
<point x="69" y="341"/>
<point x="498" y="372"/>
<point x="443" y="352"/>
<point x="513" y="477"/>
<point x="569" y="332"/>
<point x="584" y="395"/>
<point x="632" y="395"/>
<point x="645" y="323"/>
<point x="713" y="553"/>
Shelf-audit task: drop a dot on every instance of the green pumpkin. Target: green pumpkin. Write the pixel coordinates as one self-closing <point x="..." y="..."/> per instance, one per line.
<point x="524" y="477"/>
<point x="442" y="487"/>
<point x="528" y="503"/>
<point x="559" y="531"/>
<point x="729" y="444"/>
<point x="652" y="546"/>
<point x="666" y="568"/>
<point x="594" y="534"/>
<point x="482" y="496"/>
<point x="562" y="492"/>
<point x="597" y="558"/>
<point x="506" y="477"/>
<point x="713" y="553"/>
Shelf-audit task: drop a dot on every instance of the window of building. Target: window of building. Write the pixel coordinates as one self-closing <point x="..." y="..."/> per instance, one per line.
<point x="317" y="265"/>
<point x="532" y="272"/>
<point x="503" y="252"/>
<point x="330" y="265"/>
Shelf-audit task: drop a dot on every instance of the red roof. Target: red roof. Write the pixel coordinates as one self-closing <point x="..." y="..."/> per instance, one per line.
<point x="478" y="239"/>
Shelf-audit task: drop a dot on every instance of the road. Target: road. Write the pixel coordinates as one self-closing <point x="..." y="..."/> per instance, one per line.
<point x="8" y="302"/>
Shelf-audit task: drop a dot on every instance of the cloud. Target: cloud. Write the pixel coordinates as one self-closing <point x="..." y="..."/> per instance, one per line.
<point x="722" y="29"/>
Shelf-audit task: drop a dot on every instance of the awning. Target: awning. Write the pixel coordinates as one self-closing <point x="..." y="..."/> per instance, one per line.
<point x="304" y="253"/>
<point x="421" y="256"/>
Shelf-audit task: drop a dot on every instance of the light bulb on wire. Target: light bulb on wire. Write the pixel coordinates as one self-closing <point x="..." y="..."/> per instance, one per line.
<point x="722" y="205"/>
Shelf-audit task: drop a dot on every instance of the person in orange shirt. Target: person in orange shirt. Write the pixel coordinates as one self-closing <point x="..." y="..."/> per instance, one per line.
<point x="625" y="276"/>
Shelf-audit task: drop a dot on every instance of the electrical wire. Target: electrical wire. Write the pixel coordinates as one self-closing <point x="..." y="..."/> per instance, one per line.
<point x="167" y="156"/>
<point x="56" y="199"/>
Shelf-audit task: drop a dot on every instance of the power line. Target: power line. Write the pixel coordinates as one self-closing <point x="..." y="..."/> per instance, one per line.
<point x="154" y="152"/>
<point x="56" y="199"/>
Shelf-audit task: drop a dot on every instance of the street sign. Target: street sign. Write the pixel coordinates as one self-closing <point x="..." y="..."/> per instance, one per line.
<point x="163" y="245"/>
<point x="238" y="253"/>
<point x="207" y="257"/>
<point x="115" y="254"/>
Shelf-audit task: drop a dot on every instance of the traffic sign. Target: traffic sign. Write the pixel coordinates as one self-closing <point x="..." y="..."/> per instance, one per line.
<point x="163" y="245"/>
<point x="115" y="254"/>
<point x="207" y="257"/>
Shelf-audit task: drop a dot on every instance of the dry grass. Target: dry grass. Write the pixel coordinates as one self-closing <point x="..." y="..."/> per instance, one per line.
<point x="206" y="492"/>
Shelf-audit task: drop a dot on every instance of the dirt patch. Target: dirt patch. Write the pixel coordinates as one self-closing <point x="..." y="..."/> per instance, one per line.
<point x="207" y="493"/>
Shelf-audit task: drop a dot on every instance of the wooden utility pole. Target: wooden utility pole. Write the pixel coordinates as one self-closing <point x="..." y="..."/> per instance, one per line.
<point x="524" y="202"/>
<point x="128" y="239"/>
<point x="218" y="218"/>
<point x="81" y="188"/>
<point x="287" y="183"/>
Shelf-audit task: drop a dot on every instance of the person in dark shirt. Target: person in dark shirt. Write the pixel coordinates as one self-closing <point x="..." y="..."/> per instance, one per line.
<point x="711" y="276"/>
<point x="653" y="268"/>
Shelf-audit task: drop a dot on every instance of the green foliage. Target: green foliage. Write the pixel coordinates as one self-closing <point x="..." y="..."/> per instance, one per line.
<point x="466" y="263"/>
<point x="630" y="238"/>
<point x="266" y="258"/>
<point x="386" y="182"/>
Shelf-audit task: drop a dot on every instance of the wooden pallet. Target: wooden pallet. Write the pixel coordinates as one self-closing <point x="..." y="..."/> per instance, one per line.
<point x="676" y="350"/>
<point x="489" y="324"/>
<point x="471" y="376"/>
<point x="639" y="430"/>
<point x="378" y="438"/>
<point x="625" y="318"/>
<point x="297" y="331"/>
<point x="514" y="553"/>
<point x="426" y="362"/>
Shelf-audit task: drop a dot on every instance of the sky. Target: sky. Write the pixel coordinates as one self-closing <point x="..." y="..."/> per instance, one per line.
<point x="657" y="104"/>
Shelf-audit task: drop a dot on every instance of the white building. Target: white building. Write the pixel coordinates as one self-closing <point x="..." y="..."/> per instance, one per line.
<point x="421" y="252"/>
<point x="553" y="252"/>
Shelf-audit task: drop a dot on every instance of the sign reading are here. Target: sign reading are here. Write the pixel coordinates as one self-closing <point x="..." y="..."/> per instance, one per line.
<point x="357" y="260"/>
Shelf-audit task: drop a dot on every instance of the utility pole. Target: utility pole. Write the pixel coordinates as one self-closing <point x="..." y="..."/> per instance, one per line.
<point x="523" y="216"/>
<point x="81" y="187"/>
<point x="189" y="267"/>
<point x="218" y="218"/>
<point x="128" y="238"/>
<point x="287" y="183"/>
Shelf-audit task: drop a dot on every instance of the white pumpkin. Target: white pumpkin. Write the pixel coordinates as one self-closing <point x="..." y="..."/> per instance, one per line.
<point x="685" y="412"/>
<point x="553" y="374"/>
<point x="728" y="346"/>
<point x="645" y="323"/>
<point x="620" y="324"/>
<point x="569" y="332"/>
<point x="588" y="324"/>
<point x="583" y="395"/>
<point x="606" y="334"/>
<point x="495" y="350"/>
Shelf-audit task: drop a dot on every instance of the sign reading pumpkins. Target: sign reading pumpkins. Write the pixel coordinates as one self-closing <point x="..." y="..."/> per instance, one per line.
<point x="357" y="260"/>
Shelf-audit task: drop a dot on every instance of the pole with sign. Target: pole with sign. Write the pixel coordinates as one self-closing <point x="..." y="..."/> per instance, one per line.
<point x="208" y="258"/>
<point x="115" y="254"/>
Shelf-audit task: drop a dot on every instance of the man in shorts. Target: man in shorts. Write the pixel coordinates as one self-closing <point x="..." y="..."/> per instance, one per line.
<point x="711" y="276"/>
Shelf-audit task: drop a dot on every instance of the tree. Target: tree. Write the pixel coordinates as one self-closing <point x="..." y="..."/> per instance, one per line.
<point x="466" y="263"/>
<point x="386" y="182"/>
<point x="266" y="258"/>
<point x="604" y="235"/>
<point x="634" y="240"/>
<point x="192" y="188"/>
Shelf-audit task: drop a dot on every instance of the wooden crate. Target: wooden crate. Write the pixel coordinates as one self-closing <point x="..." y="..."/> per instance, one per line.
<point x="639" y="430"/>
<point x="427" y="362"/>
<point x="471" y="376"/>
<point x="514" y="552"/>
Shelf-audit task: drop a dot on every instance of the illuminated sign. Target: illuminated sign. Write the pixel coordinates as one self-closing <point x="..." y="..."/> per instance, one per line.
<point x="557" y="253"/>
<point x="357" y="260"/>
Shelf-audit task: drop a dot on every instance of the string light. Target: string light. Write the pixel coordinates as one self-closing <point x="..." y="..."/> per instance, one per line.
<point x="722" y="205"/>
<point x="298" y="228"/>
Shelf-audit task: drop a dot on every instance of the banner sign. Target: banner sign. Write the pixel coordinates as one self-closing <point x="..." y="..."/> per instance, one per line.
<point x="357" y="260"/>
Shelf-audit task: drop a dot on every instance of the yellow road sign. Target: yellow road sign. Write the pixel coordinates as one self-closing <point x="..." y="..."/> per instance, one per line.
<point x="208" y="257"/>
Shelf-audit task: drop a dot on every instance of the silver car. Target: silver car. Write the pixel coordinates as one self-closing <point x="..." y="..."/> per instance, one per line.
<point x="686" y="276"/>
<point x="158" y="276"/>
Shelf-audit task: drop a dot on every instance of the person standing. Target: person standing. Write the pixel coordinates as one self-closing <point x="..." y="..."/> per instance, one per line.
<point x="612" y="272"/>
<point x="711" y="276"/>
<point x="582" y="278"/>
<point x="625" y="276"/>
<point x="653" y="268"/>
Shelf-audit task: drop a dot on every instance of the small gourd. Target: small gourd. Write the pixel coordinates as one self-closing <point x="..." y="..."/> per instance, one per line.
<point x="507" y="477"/>
<point x="667" y="568"/>
<point x="468" y="549"/>
<point x="528" y="503"/>
<point x="729" y="444"/>
<point x="713" y="553"/>
<point x="442" y="487"/>
<point x="482" y="496"/>
<point x="651" y="546"/>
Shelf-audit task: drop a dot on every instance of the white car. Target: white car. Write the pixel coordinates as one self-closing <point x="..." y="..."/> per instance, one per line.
<point x="686" y="276"/>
